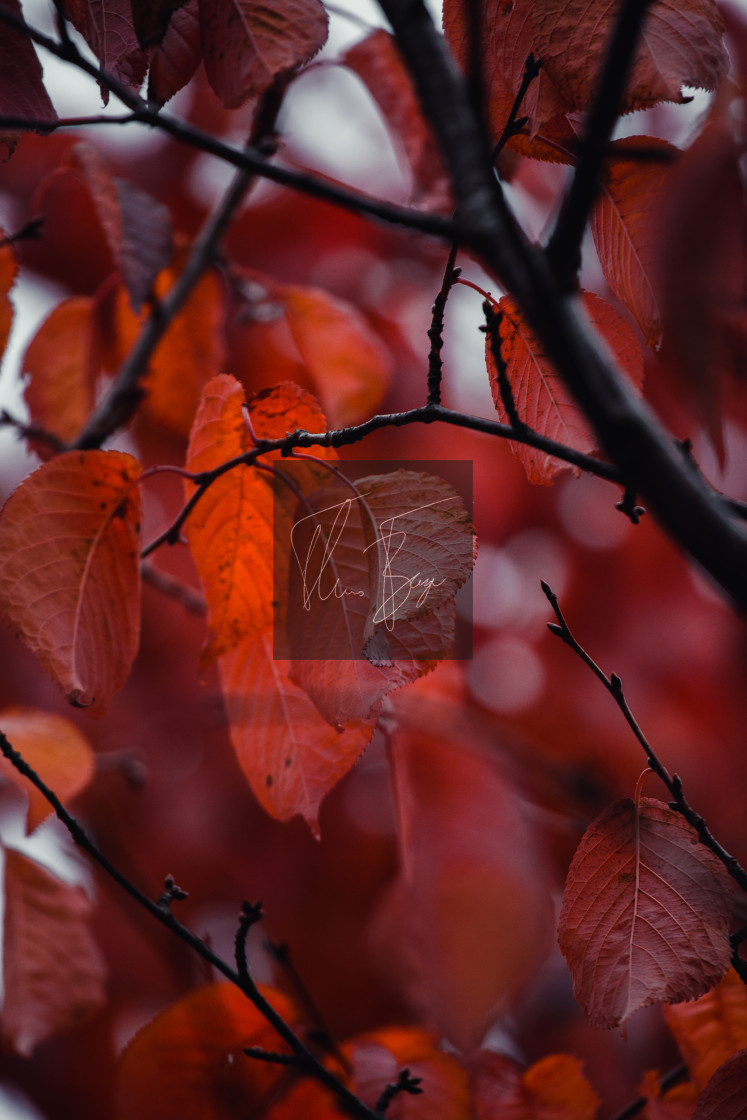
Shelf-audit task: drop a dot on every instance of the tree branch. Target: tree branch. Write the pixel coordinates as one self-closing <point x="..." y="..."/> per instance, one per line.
<point x="160" y="910"/>
<point x="626" y="427"/>
<point x="564" y="248"/>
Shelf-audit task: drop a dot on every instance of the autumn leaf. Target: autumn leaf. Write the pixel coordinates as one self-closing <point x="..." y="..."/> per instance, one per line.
<point x="107" y="27"/>
<point x="680" y="44"/>
<point x="63" y="361"/>
<point x="137" y="227"/>
<point x="541" y="398"/>
<point x="22" y="91"/>
<point x="625" y="223"/>
<point x="373" y="1061"/>
<point x="377" y="62"/>
<point x="676" y="1103"/>
<point x="711" y="1029"/>
<point x="291" y="756"/>
<point x="247" y="43"/>
<point x="189" y="354"/>
<point x="230" y="530"/>
<point x="151" y="19"/>
<point x="174" y="61"/>
<point x="645" y="914"/>
<point x="52" y="969"/>
<point x="725" y="1095"/>
<point x="70" y="570"/>
<point x="465" y="924"/>
<point x="187" y="1063"/>
<point x="554" y="1088"/>
<point x="8" y="271"/>
<point x="53" y="747"/>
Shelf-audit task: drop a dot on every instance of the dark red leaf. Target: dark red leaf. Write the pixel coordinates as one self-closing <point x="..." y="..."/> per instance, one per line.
<point x="174" y="61"/>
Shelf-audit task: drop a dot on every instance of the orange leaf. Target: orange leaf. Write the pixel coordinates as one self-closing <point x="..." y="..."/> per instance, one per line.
<point x="677" y="1103"/>
<point x="710" y="1029"/>
<point x="230" y="530"/>
<point x="247" y="43"/>
<point x="63" y="361"/>
<point x="680" y="45"/>
<point x="541" y="398"/>
<point x="54" y="748"/>
<point x="467" y="922"/>
<point x="725" y="1095"/>
<point x="187" y="1063"/>
<point x="624" y="225"/>
<point x="52" y="968"/>
<point x="289" y="753"/>
<point x="645" y="914"/>
<point x="70" y="570"/>
<point x="554" y="1088"/>
<point x="378" y="64"/>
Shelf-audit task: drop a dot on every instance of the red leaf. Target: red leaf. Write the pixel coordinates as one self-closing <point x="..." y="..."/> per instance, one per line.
<point x="554" y="1088"/>
<point x="378" y="64"/>
<point x="54" y="748"/>
<point x="151" y="19"/>
<point x="52" y="968"/>
<point x="289" y="753"/>
<point x="541" y="398"/>
<point x="63" y="361"/>
<point x="22" y="92"/>
<point x="247" y="43"/>
<point x="680" y="45"/>
<point x="70" y="570"/>
<point x="174" y="61"/>
<point x="107" y="27"/>
<point x="625" y="224"/>
<point x="725" y="1095"/>
<point x="136" y="227"/>
<point x="8" y="271"/>
<point x="187" y="1063"/>
<point x="645" y="914"/>
<point x="466" y="923"/>
<point x="711" y="1029"/>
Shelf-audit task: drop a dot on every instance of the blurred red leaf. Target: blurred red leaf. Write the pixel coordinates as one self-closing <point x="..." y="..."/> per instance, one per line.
<point x="554" y="1088"/>
<point x="725" y="1095"/>
<point x="63" y="361"/>
<point x="175" y="59"/>
<point x="136" y="227"/>
<point x="645" y="914"/>
<point x="378" y="64"/>
<point x="542" y="400"/>
<point x="8" y="271"/>
<point x="187" y="1063"/>
<point x="107" y="27"/>
<point x="52" y="969"/>
<point x="22" y="91"/>
<point x="189" y="354"/>
<point x="625" y="223"/>
<point x="53" y="747"/>
<point x="711" y="1029"/>
<point x="70" y="570"/>
<point x="466" y="923"/>
<point x="681" y="44"/>
<point x="247" y="43"/>
<point x="291" y="756"/>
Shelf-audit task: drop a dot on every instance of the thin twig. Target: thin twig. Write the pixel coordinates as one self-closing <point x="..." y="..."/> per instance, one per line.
<point x="613" y="684"/>
<point x="564" y="248"/>
<point x="405" y="1083"/>
<point x="162" y="913"/>
<point x="666" y="1081"/>
<point x="168" y="585"/>
<point x="436" y="329"/>
<point x="514" y="125"/>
